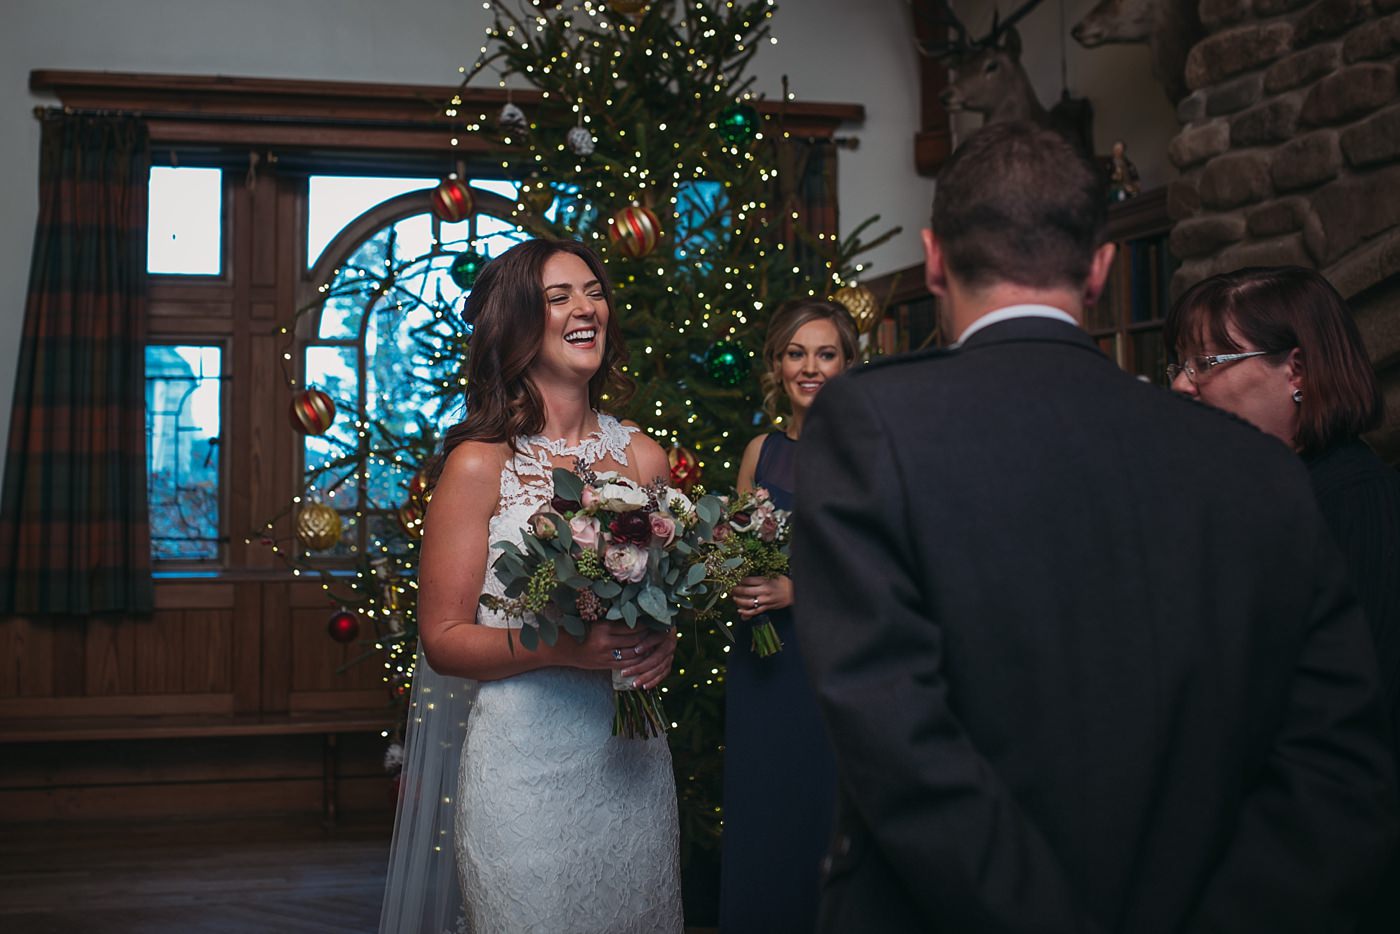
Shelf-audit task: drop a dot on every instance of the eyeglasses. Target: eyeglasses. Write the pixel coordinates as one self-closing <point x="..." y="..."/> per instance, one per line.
<point x="1198" y="367"/>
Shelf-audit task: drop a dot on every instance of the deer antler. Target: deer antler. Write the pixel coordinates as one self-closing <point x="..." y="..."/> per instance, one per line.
<point x="999" y="27"/>
<point x="938" y="18"/>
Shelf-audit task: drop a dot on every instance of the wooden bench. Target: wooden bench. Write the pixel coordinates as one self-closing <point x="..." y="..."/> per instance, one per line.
<point x="329" y="724"/>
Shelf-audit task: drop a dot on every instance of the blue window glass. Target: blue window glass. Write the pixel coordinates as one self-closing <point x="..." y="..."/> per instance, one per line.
<point x="702" y="222"/>
<point x="183" y="419"/>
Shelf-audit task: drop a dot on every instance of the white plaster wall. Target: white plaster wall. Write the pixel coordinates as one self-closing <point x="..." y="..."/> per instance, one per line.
<point x="855" y="51"/>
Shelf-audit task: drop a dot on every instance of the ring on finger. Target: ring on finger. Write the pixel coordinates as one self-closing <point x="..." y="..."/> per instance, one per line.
<point x="638" y="649"/>
<point x="755" y="603"/>
<point x="617" y="655"/>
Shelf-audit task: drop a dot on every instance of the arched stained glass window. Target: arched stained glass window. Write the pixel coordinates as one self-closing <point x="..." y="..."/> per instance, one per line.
<point x="381" y="342"/>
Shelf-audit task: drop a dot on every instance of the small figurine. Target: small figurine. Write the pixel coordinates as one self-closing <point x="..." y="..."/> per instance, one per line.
<point x="1122" y="175"/>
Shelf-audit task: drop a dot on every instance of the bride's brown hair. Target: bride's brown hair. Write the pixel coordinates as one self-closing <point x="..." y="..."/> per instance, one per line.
<point x="507" y="310"/>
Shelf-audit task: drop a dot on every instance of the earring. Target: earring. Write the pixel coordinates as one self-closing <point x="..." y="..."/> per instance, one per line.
<point x="1298" y="396"/>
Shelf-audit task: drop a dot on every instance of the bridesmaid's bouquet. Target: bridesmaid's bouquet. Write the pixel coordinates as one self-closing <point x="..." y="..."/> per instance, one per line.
<point x="609" y="550"/>
<point x="751" y="537"/>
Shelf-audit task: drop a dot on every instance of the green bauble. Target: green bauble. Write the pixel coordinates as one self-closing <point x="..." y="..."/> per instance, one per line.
<point x="466" y="267"/>
<point x="727" y="363"/>
<point x="738" y="124"/>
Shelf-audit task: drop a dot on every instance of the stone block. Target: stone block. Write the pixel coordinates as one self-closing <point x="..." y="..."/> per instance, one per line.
<point x="1199" y="143"/>
<point x="1284" y="215"/>
<point x="1349" y="93"/>
<point x="1191" y="108"/>
<point x="1374" y="140"/>
<point x="1200" y="236"/>
<point x="1379" y="38"/>
<point x="1217" y="13"/>
<point x="1234" y="95"/>
<point x="1235" y="179"/>
<point x="1329" y="18"/>
<point x="1356" y="207"/>
<point x="1270" y="122"/>
<point x="1386" y="6"/>
<point x="1236" y="50"/>
<point x="1183" y="199"/>
<point x="1376" y="261"/>
<point x="1188" y="274"/>
<point x="1275" y="7"/>
<point x="1307" y="161"/>
<point x="1276" y="251"/>
<point x="1303" y="67"/>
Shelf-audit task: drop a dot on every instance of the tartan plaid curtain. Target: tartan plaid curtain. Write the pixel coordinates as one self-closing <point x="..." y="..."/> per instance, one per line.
<point x="74" y="531"/>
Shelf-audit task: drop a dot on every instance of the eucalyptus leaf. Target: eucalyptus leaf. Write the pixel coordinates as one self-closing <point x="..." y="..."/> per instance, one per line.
<point x="709" y="510"/>
<point x="629" y="614"/>
<point x="567" y="484"/>
<point x="530" y="638"/>
<point x="564" y="567"/>
<point x="574" y="627"/>
<point x="549" y="630"/>
<point x="695" y="575"/>
<point x="510" y="548"/>
<point x="607" y="589"/>
<point x="653" y="603"/>
<point x="615" y="611"/>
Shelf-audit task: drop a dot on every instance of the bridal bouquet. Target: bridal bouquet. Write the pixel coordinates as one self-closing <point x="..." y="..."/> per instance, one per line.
<point x="605" y="550"/>
<point x="751" y="537"/>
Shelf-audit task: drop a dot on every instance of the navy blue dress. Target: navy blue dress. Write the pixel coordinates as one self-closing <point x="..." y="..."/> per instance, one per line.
<point x="779" y="773"/>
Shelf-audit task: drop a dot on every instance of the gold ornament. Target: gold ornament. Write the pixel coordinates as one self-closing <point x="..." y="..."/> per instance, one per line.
<point x="318" y="526"/>
<point x="411" y="519"/>
<point x="536" y="195"/>
<point x="861" y="303"/>
<point x="635" y="231"/>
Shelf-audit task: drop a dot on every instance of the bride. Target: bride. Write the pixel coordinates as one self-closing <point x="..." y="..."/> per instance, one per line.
<point x="556" y="825"/>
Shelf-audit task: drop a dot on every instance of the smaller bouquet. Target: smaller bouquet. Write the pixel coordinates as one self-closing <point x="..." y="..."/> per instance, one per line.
<point x="606" y="549"/>
<point x="754" y="533"/>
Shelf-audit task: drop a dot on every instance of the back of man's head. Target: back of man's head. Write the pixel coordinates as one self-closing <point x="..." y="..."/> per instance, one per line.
<point x="1017" y="203"/>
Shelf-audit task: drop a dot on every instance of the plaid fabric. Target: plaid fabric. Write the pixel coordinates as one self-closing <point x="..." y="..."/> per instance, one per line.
<point x="74" y="533"/>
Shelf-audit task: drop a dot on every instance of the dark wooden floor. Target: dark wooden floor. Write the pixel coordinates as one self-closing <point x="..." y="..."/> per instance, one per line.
<point x="286" y="875"/>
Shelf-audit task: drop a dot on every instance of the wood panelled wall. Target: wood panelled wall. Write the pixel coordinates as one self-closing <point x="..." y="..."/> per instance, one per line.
<point x="241" y="646"/>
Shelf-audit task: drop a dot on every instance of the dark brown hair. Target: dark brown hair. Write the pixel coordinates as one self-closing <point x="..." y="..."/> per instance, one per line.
<point x="1018" y="203"/>
<point x="786" y="321"/>
<point x="507" y="311"/>
<point x="1278" y="308"/>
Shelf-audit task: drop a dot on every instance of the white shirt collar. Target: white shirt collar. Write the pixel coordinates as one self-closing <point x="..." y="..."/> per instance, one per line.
<point x="1015" y="311"/>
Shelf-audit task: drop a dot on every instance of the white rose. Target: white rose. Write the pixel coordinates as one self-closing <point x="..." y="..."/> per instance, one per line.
<point x="621" y="496"/>
<point x="626" y="563"/>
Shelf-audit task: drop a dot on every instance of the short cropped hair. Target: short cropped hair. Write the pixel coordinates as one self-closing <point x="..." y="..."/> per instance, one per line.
<point x="1018" y="203"/>
<point x="1279" y="308"/>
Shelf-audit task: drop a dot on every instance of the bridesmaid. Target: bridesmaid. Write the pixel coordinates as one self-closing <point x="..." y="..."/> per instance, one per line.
<point x="779" y="775"/>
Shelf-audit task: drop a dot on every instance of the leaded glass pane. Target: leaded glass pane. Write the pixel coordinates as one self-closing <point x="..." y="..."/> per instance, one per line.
<point x="183" y="419"/>
<point x="185" y="222"/>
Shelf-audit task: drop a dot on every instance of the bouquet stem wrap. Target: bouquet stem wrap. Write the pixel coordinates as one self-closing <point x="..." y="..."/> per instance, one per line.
<point x="765" y="641"/>
<point x="637" y="713"/>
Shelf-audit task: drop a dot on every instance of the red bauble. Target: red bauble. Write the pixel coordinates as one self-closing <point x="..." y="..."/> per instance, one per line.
<point x="344" y="627"/>
<point x="452" y="200"/>
<point x="685" y="469"/>
<point x="635" y="231"/>
<point x="312" y="411"/>
<point x="411" y="519"/>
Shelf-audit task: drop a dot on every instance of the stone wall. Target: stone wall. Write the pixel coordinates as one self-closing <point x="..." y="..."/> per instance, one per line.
<point x="1290" y="153"/>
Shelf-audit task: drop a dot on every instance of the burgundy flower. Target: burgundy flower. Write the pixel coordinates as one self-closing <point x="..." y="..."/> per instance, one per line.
<point x="564" y="506"/>
<point x="632" y="528"/>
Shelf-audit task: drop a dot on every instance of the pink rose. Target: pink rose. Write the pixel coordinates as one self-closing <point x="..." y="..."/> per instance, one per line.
<point x="663" y="529"/>
<point x="768" y="528"/>
<point x="760" y="495"/>
<point x="589" y="497"/>
<point x="586" y="530"/>
<point x="722" y="531"/>
<point x="626" y="563"/>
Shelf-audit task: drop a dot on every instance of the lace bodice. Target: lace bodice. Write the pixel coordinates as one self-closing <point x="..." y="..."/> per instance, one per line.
<point x="527" y="485"/>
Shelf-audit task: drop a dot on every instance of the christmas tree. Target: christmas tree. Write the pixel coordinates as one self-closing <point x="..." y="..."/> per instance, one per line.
<point x="648" y="142"/>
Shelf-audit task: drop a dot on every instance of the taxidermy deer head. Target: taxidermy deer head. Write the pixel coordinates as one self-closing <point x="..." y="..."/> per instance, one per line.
<point x="987" y="76"/>
<point x="1169" y="27"/>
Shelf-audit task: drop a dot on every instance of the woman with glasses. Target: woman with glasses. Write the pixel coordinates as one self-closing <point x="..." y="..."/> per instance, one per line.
<point x="1278" y="347"/>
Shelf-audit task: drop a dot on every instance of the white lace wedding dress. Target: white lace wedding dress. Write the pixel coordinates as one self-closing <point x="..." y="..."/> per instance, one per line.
<point x="560" y="826"/>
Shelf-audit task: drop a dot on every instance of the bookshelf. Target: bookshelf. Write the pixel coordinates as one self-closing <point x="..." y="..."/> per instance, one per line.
<point x="1126" y="323"/>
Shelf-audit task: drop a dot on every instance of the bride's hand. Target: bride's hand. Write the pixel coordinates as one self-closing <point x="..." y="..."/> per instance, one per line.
<point x="757" y="595"/>
<point x="606" y="646"/>
<point x="653" y="658"/>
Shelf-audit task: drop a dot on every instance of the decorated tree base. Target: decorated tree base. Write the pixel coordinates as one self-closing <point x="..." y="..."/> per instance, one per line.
<point x="637" y="713"/>
<point x="765" y="641"/>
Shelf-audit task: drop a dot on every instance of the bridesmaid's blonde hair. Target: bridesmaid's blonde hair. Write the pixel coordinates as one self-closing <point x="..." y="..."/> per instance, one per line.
<point x="784" y="325"/>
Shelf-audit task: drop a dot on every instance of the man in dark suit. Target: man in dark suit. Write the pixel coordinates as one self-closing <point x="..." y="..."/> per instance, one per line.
<point x="1083" y="646"/>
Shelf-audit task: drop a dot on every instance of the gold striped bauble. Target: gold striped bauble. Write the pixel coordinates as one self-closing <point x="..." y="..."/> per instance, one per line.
<point x="411" y="519"/>
<point x="452" y="200"/>
<point x="862" y="305"/>
<point x="318" y="526"/>
<point x="635" y="231"/>
<point x="312" y="411"/>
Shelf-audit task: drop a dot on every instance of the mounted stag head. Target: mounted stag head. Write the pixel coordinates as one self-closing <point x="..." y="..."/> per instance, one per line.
<point x="1169" y="27"/>
<point x="986" y="73"/>
<point x="989" y="80"/>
